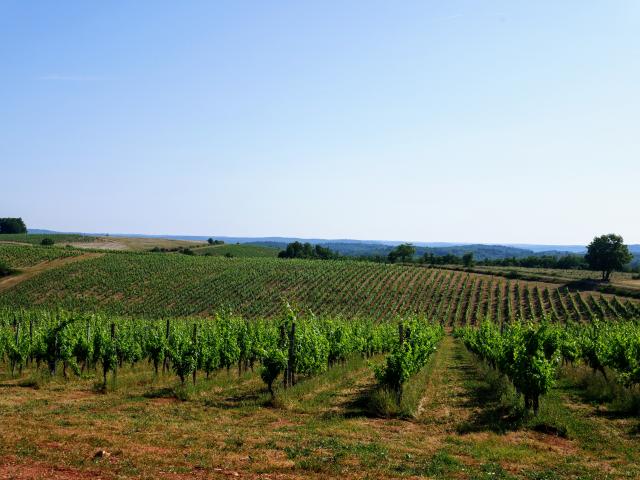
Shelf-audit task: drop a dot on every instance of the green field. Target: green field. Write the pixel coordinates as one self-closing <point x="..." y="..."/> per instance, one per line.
<point x="19" y="256"/>
<point x="624" y="283"/>
<point x="237" y="250"/>
<point x="181" y="285"/>
<point x="36" y="238"/>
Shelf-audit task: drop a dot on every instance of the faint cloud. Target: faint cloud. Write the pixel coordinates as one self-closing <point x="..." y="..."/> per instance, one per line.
<point x="71" y="78"/>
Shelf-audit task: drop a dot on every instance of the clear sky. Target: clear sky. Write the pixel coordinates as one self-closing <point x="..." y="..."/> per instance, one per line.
<point x="424" y="121"/>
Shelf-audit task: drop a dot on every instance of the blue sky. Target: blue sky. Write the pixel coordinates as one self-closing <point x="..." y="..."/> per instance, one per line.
<point x="424" y="121"/>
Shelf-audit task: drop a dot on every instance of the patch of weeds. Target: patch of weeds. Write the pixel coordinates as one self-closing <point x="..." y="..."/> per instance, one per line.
<point x="198" y="460"/>
<point x="493" y="471"/>
<point x="139" y="424"/>
<point x="383" y="403"/>
<point x="314" y="464"/>
<point x="590" y="386"/>
<point x="99" y="387"/>
<point x="502" y="409"/>
<point x="31" y="382"/>
<point x="233" y="442"/>
<point x="414" y="390"/>
<point x="627" y="401"/>
<point x="183" y="392"/>
<point x="186" y="442"/>
<point x="545" y="475"/>
<point x="556" y="417"/>
<point x="557" y="430"/>
<point x="442" y="463"/>
<point x="594" y="388"/>
<point x="297" y="451"/>
<point x="24" y="448"/>
<point x="270" y="444"/>
<point x="29" y="406"/>
<point x="329" y="454"/>
<point x="165" y="392"/>
<point x="98" y="442"/>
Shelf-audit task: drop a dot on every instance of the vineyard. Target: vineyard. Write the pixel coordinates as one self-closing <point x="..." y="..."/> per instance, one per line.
<point x="297" y="393"/>
<point x="530" y="355"/>
<point x="181" y="366"/>
<point x="232" y="250"/>
<point x="36" y="238"/>
<point x="291" y="348"/>
<point x="625" y="282"/>
<point x="143" y="284"/>
<point x="18" y="256"/>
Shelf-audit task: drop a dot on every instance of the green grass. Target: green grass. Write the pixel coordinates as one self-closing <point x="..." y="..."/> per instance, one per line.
<point x="240" y="251"/>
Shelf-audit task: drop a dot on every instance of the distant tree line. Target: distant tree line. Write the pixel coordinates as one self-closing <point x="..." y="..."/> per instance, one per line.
<point x="565" y="262"/>
<point x="306" y="250"/>
<point x="606" y="254"/>
<point x="181" y="249"/>
<point x="12" y="225"/>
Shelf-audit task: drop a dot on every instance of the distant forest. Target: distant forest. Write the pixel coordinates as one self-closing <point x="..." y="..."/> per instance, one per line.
<point x="490" y="255"/>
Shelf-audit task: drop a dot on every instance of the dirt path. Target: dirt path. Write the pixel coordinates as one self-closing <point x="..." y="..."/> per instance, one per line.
<point x="29" y="272"/>
<point x="447" y="402"/>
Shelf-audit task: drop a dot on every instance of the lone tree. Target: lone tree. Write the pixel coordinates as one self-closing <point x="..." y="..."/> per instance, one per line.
<point x="607" y="253"/>
<point x="404" y="252"/>
<point x="467" y="259"/>
<point x="12" y="225"/>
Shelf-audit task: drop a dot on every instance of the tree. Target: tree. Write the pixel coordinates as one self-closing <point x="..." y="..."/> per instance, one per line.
<point x="467" y="259"/>
<point x="47" y="242"/>
<point x="12" y="225"/>
<point x="210" y="241"/>
<point x="306" y="250"/>
<point x="404" y="252"/>
<point x="607" y="253"/>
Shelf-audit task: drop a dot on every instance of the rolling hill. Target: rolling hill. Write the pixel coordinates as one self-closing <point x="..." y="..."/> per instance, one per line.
<point x="156" y="284"/>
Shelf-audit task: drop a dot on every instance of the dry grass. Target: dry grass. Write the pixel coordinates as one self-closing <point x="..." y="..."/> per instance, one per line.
<point x="136" y="243"/>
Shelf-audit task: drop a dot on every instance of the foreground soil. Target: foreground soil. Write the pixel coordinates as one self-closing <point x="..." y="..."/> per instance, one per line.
<point x="227" y="426"/>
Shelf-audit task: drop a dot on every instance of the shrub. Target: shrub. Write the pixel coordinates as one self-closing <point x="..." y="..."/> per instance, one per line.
<point x="47" y="242"/>
<point x="5" y="269"/>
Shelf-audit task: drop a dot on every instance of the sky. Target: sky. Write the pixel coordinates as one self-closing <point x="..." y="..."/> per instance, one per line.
<point x="461" y="121"/>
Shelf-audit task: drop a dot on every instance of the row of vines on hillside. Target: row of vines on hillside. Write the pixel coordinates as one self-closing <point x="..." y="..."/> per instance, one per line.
<point x="18" y="256"/>
<point x="179" y="286"/>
